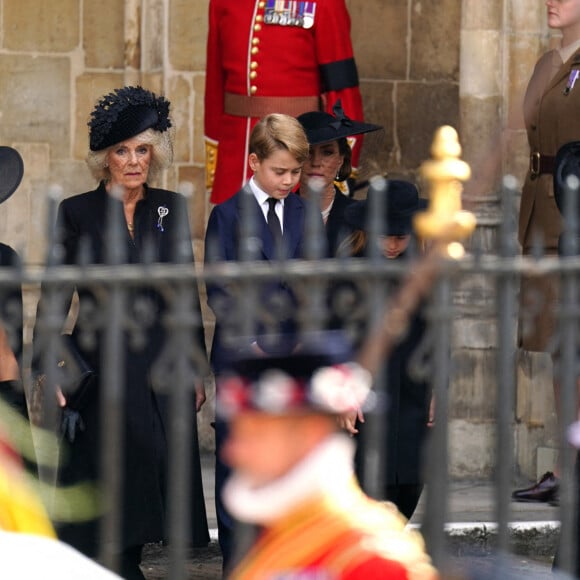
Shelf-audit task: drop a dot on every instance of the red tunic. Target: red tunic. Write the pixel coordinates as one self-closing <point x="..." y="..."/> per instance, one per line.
<point x="340" y="536"/>
<point x="249" y="57"/>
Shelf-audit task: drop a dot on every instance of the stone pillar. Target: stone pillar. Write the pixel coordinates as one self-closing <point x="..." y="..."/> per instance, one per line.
<point x="132" y="33"/>
<point x="472" y="388"/>
<point x="500" y="42"/>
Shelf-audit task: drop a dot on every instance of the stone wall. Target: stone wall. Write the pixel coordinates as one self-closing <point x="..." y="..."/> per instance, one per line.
<point x="422" y="63"/>
<point x="408" y="59"/>
<point x="54" y="66"/>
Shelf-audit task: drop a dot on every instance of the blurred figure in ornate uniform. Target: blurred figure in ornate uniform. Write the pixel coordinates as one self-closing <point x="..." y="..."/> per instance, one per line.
<point x="271" y="56"/>
<point x="293" y="473"/>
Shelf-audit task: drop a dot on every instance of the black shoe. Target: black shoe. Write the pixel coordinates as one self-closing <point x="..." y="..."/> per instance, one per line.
<point x="555" y="501"/>
<point x="545" y="490"/>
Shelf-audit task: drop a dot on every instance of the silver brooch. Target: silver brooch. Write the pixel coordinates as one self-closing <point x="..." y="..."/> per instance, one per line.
<point x="162" y="211"/>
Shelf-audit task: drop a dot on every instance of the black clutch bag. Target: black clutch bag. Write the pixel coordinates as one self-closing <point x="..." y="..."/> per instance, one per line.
<point x="75" y="378"/>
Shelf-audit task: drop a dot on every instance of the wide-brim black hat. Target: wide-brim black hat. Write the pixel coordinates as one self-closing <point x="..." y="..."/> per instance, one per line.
<point x="321" y="127"/>
<point x="11" y="171"/>
<point x="401" y="202"/>
<point x="567" y="163"/>
<point x="124" y="113"/>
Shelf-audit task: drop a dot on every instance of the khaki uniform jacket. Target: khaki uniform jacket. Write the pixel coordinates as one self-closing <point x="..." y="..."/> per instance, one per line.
<point x="552" y="119"/>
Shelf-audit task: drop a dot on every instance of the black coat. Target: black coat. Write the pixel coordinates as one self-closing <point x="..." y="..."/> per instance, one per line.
<point x="11" y="318"/>
<point x="408" y="397"/>
<point x="81" y="225"/>
<point x="11" y="301"/>
<point x="337" y="230"/>
<point x="408" y="409"/>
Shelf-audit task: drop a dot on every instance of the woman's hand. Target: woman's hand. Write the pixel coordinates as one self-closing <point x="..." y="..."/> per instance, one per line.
<point x="431" y="418"/>
<point x="60" y="398"/>
<point x="257" y="350"/>
<point x="199" y="396"/>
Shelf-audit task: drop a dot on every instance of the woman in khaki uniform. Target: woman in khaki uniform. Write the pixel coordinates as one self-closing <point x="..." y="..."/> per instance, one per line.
<point x="552" y="118"/>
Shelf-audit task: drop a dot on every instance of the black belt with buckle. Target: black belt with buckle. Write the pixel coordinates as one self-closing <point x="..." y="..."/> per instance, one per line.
<point x="541" y="164"/>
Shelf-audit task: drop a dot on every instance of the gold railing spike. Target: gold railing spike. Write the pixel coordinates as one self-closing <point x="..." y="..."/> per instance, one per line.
<point x="445" y="221"/>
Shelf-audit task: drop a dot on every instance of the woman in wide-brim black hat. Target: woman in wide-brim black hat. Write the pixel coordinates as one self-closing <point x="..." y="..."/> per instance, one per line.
<point x="408" y="396"/>
<point x="130" y="143"/>
<point x="11" y="391"/>
<point x="329" y="164"/>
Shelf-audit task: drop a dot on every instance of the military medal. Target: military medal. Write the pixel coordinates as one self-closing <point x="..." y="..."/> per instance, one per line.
<point x="290" y="13"/>
<point x="293" y="13"/>
<point x="574" y="73"/>
<point x="308" y="14"/>
<point x="269" y="11"/>
<point x="284" y="18"/>
<point x="299" y="18"/>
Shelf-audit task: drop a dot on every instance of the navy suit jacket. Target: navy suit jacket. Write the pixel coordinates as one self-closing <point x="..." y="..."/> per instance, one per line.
<point x="223" y="242"/>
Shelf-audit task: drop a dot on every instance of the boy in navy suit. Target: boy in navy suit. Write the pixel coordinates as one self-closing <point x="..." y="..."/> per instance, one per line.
<point x="265" y="220"/>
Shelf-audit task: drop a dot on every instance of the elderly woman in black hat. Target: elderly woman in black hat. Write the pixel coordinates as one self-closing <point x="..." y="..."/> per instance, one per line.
<point x="330" y="164"/>
<point x="130" y="143"/>
<point x="408" y="396"/>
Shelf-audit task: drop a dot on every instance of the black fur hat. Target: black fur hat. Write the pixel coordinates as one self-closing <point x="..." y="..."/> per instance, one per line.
<point x="124" y="113"/>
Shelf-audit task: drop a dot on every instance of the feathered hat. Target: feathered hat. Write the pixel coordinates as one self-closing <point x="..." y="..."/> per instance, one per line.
<point x="321" y="377"/>
<point x="124" y="113"/>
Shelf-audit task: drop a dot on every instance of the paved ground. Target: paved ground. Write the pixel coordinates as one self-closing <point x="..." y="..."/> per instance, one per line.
<point x="206" y="565"/>
<point x="471" y="521"/>
<point x="468" y="502"/>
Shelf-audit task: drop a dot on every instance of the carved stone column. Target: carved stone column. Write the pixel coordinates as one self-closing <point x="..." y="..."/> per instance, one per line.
<point x="500" y="42"/>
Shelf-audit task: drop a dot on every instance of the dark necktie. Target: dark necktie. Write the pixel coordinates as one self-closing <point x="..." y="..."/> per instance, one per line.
<point x="273" y="221"/>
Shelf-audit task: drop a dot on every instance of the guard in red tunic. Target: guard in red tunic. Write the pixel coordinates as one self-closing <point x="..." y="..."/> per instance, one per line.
<point x="266" y="56"/>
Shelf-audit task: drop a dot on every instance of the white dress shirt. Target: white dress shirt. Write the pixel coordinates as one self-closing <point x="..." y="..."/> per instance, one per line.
<point x="262" y="199"/>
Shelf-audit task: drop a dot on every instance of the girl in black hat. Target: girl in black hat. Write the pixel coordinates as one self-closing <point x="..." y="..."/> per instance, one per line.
<point x="408" y="395"/>
<point x="130" y="143"/>
<point x="329" y="164"/>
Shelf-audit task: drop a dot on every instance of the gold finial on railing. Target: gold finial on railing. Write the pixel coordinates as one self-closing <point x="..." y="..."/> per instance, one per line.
<point x="445" y="221"/>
